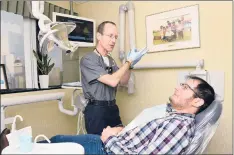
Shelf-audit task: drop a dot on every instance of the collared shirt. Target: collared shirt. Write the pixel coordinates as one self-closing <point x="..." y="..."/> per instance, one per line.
<point x="168" y="135"/>
<point x="92" y="67"/>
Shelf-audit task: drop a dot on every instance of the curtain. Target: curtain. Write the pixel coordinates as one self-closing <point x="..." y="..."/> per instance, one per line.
<point x="30" y="44"/>
<point x="22" y="8"/>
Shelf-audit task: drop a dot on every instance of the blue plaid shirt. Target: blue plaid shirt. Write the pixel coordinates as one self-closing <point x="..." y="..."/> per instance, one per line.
<point x="168" y="135"/>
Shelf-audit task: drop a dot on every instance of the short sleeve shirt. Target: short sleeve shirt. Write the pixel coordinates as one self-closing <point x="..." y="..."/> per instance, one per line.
<point x="92" y="67"/>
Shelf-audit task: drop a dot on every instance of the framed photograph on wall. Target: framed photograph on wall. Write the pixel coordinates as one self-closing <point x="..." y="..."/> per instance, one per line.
<point x="4" y="82"/>
<point x="173" y="30"/>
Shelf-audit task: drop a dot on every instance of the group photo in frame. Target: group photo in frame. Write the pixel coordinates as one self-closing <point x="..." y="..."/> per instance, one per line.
<point x="173" y="30"/>
<point x="4" y="82"/>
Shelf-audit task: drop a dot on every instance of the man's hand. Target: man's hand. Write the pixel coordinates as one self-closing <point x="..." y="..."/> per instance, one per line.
<point x="117" y="129"/>
<point x="107" y="132"/>
<point x="134" y="55"/>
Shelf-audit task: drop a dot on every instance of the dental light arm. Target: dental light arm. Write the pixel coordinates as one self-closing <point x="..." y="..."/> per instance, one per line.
<point x="52" y="32"/>
<point x="37" y="11"/>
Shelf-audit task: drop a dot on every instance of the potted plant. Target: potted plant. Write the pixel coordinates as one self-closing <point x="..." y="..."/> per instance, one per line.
<point x="45" y="67"/>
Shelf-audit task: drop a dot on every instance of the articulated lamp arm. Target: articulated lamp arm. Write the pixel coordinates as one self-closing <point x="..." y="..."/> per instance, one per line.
<point x="52" y="32"/>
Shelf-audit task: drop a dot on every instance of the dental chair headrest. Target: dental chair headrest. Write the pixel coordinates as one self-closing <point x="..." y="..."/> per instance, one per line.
<point x="206" y="124"/>
<point x="210" y="115"/>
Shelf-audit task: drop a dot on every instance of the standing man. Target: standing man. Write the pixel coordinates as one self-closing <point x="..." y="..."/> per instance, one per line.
<point x="100" y="76"/>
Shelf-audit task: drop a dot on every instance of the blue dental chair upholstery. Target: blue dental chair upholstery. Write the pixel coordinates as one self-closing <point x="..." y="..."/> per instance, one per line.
<point x="206" y="125"/>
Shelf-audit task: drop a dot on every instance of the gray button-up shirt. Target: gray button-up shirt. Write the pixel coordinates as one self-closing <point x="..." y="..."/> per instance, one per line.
<point x="92" y="67"/>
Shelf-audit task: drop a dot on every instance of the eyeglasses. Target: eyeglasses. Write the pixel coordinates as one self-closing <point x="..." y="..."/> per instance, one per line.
<point x="111" y="36"/>
<point x="186" y="86"/>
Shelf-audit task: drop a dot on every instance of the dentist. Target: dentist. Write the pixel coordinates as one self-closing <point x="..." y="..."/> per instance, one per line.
<point x="100" y="77"/>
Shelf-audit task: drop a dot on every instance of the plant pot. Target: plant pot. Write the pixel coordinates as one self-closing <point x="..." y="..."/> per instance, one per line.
<point x="44" y="81"/>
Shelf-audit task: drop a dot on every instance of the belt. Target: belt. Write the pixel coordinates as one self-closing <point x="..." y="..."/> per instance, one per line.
<point x="101" y="103"/>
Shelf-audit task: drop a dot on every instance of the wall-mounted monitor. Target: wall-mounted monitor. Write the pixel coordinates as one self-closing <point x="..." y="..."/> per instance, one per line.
<point x="85" y="32"/>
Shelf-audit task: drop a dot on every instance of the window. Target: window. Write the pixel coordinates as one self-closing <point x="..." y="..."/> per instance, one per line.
<point x="17" y="41"/>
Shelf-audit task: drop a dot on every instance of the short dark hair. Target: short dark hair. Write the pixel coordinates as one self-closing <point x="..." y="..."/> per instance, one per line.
<point x="101" y="26"/>
<point x="205" y="91"/>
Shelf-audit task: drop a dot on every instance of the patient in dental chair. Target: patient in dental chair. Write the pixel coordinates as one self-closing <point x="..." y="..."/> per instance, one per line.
<point x="170" y="134"/>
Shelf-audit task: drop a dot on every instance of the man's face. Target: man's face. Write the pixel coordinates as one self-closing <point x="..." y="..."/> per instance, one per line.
<point x="183" y="96"/>
<point x="108" y="39"/>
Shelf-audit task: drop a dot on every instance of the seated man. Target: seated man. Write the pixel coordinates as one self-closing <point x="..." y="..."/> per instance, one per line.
<point x="168" y="135"/>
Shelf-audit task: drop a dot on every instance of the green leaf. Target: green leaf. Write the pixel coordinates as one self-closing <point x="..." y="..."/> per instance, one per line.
<point x="50" y="68"/>
<point x="39" y="65"/>
<point x="48" y="62"/>
<point x="37" y="57"/>
<point x="44" y="63"/>
<point x="42" y="72"/>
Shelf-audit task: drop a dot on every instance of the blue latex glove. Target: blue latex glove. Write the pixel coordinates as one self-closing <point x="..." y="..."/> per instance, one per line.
<point x="134" y="55"/>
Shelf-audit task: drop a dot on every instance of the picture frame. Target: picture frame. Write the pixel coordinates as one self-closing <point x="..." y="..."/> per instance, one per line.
<point x="4" y="82"/>
<point x="173" y="30"/>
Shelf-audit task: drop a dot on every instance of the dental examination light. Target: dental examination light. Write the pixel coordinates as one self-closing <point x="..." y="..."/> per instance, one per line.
<point x="52" y="33"/>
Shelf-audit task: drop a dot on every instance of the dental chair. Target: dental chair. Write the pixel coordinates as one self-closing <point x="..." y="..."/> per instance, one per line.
<point x="206" y="125"/>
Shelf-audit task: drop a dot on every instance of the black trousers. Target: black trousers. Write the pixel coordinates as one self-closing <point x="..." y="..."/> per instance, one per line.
<point x="99" y="115"/>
